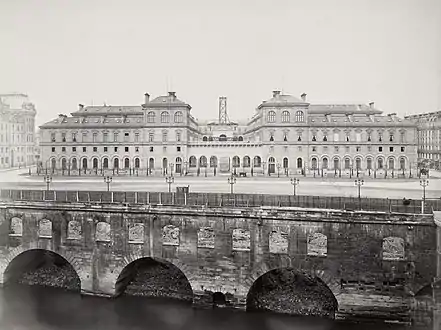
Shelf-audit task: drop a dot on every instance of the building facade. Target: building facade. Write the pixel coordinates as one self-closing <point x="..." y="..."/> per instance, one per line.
<point x="17" y="130"/>
<point x="286" y="136"/>
<point x="428" y="138"/>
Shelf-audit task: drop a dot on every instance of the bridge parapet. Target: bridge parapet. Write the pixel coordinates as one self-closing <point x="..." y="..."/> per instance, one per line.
<point x="226" y="200"/>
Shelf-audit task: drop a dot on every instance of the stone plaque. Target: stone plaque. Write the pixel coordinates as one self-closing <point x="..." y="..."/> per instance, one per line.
<point x="45" y="228"/>
<point x="170" y="235"/>
<point x="278" y="242"/>
<point x="206" y="238"/>
<point x="16" y="227"/>
<point x="102" y="232"/>
<point x="241" y="240"/>
<point x="393" y="248"/>
<point x="317" y="245"/>
<point x="136" y="233"/>
<point x="74" y="230"/>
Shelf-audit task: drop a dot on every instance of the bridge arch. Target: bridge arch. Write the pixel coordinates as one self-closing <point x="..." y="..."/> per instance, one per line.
<point x="7" y="263"/>
<point x="181" y="278"/>
<point x="324" y="277"/>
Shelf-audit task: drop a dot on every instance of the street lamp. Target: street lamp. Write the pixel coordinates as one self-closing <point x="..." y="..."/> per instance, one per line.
<point x="263" y="164"/>
<point x="171" y="168"/>
<point x="48" y="180"/>
<point x="231" y="182"/>
<point x="185" y="166"/>
<point x="424" y="183"/>
<point x="108" y="179"/>
<point x="278" y="169"/>
<point x="359" y="183"/>
<point x="294" y="182"/>
<point x="169" y="179"/>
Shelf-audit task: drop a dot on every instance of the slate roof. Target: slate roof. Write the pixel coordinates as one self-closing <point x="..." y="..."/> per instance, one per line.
<point x="108" y="109"/>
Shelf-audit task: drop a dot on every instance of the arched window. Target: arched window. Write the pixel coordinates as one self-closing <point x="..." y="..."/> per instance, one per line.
<point x="203" y="161"/>
<point x="63" y="163"/>
<point x="178" y="117"/>
<point x="136" y="162"/>
<point x="325" y="163"/>
<point x="236" y="161"/>
<point x="285" y="162"/>
<point x="257" y="161"/>
<point x="116" y="163"/>
<point x="192" y="161"/>
<point x="336" y="164"/>
<point x="151" y="163"/>
<point x="222" y="137"/>
<point x="246" y="161"/>
<point x="95" y="163"/>
<point x="151" y="117"/>
<point x="54" y="163"/>
<point x="358" y="163"/>
<point x="165" y="117"/>
<point x="299" y="163"/>
<point x="204" y="139"/>
<point x="271" y="118"/>
<point x="105" y="163"/>
<point x="391" y="163"/>
<point x="164" y="163"/>
<point x="126" y="163"/>
<point x="300" y="117"/>
<point x="210" y="138"/>
<point x="285" y="117"/>
<point x="380" y="163"/>
<point x="402" y="163"/>
<point x="240" y="138"/>
<point x="74" y="164"/>
<point x="234" y="138"/>
<point x="369" y="163"/>
<point x="84" y="163"/>
<point x="347" y="163"/>
<point x="213" y="161"/>
<point x="314" y="163"/>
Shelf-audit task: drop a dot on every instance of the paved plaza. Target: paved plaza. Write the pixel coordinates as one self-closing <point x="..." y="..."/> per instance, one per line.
<point x="380" y="188"/>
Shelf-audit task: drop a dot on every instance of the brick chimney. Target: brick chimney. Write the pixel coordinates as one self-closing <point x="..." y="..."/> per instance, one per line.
<point x="146" y="98"/>
<point x="371" y="105"/>
<point x="276" y="93"/>
<point x="172" y="94"/>
<point x="303" y="96"/>
<point x="80" y="107"/>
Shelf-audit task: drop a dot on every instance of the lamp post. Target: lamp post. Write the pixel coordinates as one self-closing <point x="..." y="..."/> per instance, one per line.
<point x="359" y="183"/>
<point x="278" y="169"/>
<point x="231" y="182"/>
<point x="424" y="183"/>
<point x="294" y="182"/>
<point x="171" y="168"/>
<point x="169" y="179"/>
<point x="263" y="164"/>
<point x="48" y="180"/>
<point x="185" y="166"/>
<point x="107" y="180"/>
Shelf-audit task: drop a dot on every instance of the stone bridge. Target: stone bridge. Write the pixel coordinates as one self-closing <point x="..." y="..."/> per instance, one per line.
<point x="371" y="264"/>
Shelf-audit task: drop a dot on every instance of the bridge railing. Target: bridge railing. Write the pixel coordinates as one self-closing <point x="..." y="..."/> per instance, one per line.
<point x="225" y="200"/>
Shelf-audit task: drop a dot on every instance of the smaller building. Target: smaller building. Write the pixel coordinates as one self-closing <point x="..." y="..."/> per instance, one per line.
<point x="17" y="130"/>
<point x="428" y="138"/>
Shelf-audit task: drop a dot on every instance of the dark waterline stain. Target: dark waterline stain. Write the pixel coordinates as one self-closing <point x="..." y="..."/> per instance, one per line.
<point x="42" y="308"/>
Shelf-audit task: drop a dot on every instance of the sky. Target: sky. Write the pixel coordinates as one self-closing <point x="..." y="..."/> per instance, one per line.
<point x="62" y="53"/>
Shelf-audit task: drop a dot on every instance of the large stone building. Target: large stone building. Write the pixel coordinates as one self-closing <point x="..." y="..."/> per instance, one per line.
<point x="285" y="136"/>
<point x="17" y="130"/>
<point x="429" y="138"/>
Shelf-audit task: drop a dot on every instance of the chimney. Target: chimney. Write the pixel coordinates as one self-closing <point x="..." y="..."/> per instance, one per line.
<point x="275" y="93"/>
<point x="146" y="98"/>
<point x="80" y="107"/>
<point x="371" y="105"/>
<point x="303" y="96"/>
<point x="172" y="94"/>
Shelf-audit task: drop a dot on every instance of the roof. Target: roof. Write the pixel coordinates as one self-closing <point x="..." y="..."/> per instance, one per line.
<point x="93" y="121"/>
<point x="342" y="109"/>
<point x="169" y="100"/>
<point x="282" y="100"/>
<point x="108" y="109"/>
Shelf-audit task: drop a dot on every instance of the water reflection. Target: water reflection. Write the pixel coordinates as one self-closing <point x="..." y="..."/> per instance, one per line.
<point x="38" y="308"/>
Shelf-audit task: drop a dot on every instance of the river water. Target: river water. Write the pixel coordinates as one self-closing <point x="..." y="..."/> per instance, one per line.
<point x="39" y="308"/>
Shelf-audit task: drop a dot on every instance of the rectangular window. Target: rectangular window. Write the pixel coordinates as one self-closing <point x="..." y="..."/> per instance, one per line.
<point x="52" y="137"/>
<point x="151" y="137"/>
<point x="94" y="137"/>
<point x="84" y="137"/>
<point x="380" y="149"/>
<point x="63" y="137"/>
<point x="115" y="137"/>
<point x="151" y="149"/>
<point x="137" y="137"/>
<point x="358" y="137"/>
<point x="126" y="137"/>
<point x="336" y="149"/>
<point x="84" y="149"/>
<point x="53" y="149"/>
<point x="391" y="149"/>
<point x="402" y="149"/>
<point x="126" y="149"/>
<point x="178" y="149"/>
<point x="74" y="137"/>
<point x="136" y="149"/>
<point x="369" y="148"/>
<point x="63" y="149"/>
<point x="105" y="149"/>
<point x="116" y="149"/>
<point x="314" y="149"/>
<point x="74" y="149"/>
<point x="164" y="137"/>
<point x="105" y="137"/>
<point x="358" y="149"/>
<point x="95" y="149"/>
<point x="178" y="136"/>
<point x="347" y="149"/>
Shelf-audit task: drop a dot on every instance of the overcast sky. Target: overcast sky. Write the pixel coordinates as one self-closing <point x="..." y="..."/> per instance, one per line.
<point x="63" y="53"/>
